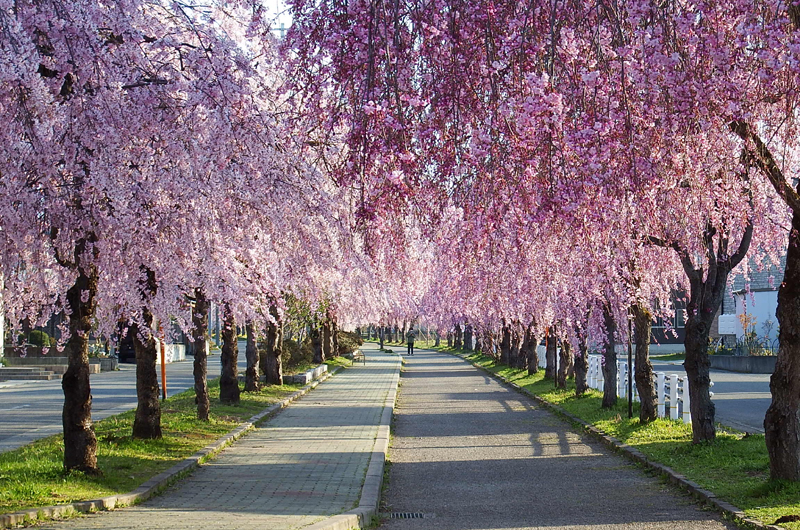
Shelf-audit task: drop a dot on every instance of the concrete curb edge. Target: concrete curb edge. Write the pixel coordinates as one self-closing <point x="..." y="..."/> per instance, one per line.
<point x="728" y="510"/>
<point x="163" y="479"/>
<point x="361" y="516"/>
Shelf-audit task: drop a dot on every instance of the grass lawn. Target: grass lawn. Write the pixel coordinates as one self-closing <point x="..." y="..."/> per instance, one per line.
<point x="735" y="467"/>
<point x="33" y="476"/>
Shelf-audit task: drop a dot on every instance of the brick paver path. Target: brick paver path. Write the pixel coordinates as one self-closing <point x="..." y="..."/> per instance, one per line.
<point x="305" y="464"/>
<point x="469" y="453"/>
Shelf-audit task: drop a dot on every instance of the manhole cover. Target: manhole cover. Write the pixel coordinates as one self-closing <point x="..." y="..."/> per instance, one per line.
<point x="409" y="515"/>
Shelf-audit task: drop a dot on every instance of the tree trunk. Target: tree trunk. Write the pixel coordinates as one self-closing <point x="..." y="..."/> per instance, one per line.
<point x="505" y="344"/>
<point x="147" y="423"/>
<point x="449" y="339"/>
<point x="643" y="321"/>
<point x="199" y="345"/>
<point x="436" y="339"/>
<point x="469" y="343"/>
<point x="581" y="365"/>
<point x="251" y="382"/>
<point x="327" y="338"/>
<point x="80" y="441"/>
<point x="487" y="342"/>
<point x="273" y="367"/>
<point x="316" y="345"/>
<point x="565" y="362"/>
<point x="229" y="378"/>
<point x="532" y="353"/>
<point x="515" y="354"/>
<point x="782" y="421"/>
<point x="335" y="336"/>
<point x="697" y="367"/>
<point x="551" y="356"/>
<point x="609" y="360"/>
<point x="381" y="334"/>
<point x="458" y="343"/>
<point x="525" y="348"/>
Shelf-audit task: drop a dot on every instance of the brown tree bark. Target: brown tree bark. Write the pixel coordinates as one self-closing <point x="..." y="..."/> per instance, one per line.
<point x="335" y="335"/>
<point x="707" y="288"/>
<point x="273" y="366"/>
<point x="147" y="422"/>
<point x="251" y="379"/>
<point x="609" y="360"/>
<point x="642" y="322"/>
<point x="469" y="339"/>
<point x="505" y="343"/>
<point x="327" y="340"/>
<point x="229" y="378"/>
<point x="199" y="345"/>
<point x="515" y="354"/>
<point x="551" y="356"/>
<point x="458" y="343"/>
<point x="80" y="441"/>
<point x="581" y="364"/>
<point x="436" y="339"/>
<point x="316" y="344"/>
<point x="564" y="365"/>
<point x="532" y="353"/>
<point x="782" y="421"/>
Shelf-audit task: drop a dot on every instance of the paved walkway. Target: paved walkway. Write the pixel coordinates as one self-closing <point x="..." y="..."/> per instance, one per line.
<point x="468" y="453"/>
<point x="307" y="463"/>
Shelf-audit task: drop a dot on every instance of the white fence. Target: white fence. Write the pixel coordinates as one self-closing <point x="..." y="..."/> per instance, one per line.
<point x="672" y="391"/>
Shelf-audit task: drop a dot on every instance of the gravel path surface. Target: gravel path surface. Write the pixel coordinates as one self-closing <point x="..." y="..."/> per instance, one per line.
<point x="469" y="453"/>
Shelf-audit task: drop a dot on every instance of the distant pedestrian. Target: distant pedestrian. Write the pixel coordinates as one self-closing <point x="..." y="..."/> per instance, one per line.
<point x="410" y="340"/>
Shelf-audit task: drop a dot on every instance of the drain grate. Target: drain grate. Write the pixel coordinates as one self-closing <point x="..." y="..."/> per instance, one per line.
<point x="408" y="515"/>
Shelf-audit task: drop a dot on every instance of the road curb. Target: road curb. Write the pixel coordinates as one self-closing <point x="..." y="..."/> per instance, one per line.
<point x="361" y="516"/>
<point x="727" y="510"/>
<point x="163" y="479"/>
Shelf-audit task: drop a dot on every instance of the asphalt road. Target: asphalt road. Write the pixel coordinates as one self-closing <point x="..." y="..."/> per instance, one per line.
<point x="741" y="400"/>
<point x="30" y="410"/>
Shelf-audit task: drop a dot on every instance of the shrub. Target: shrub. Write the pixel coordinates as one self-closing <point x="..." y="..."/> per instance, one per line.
<point x="295" y="354"/>
<point x="348" y="341"/>
<point x="39" y="338"/>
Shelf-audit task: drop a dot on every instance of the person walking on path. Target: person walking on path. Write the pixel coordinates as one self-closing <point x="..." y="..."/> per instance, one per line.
<point x="410" y="339"/>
